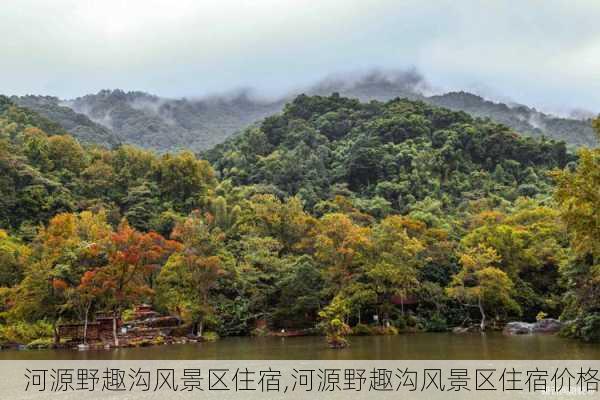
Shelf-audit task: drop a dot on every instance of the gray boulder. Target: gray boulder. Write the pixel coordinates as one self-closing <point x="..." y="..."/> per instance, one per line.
<point x="546" y="325"/>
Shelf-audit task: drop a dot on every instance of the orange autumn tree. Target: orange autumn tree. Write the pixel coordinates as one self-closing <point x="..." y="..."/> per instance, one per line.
<point x="61" y="253"/>
<point x="133" y="257"/>
<point x="84" y="296"/>
<point x="156" y="250"/>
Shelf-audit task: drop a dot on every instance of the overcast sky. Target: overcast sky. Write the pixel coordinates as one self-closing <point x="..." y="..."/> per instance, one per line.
<point x="544" y="53"/>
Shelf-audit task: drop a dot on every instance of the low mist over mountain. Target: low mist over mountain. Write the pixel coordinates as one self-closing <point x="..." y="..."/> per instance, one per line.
<point x="171" y="124"/>
<point x="77" y="124"/>
<point x="374" y="85"/>
<point x="113" y="116"/>
<point x="523" y="119"/>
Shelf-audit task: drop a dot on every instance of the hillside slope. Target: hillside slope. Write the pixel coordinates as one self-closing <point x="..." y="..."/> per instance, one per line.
<point x="398" y="156"/>
<point x="44" y="172"/>
<point x="165" y="124"/>
<point x="395" y="155"/>
<point x="523" y="119"/>
<point x="77" y="124"/>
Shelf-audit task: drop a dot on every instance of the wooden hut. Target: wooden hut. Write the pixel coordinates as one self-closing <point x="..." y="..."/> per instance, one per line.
<point x="100" y="329"/>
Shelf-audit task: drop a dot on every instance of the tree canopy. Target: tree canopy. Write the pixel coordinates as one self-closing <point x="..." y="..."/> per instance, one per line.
<point x="334" y="214"/>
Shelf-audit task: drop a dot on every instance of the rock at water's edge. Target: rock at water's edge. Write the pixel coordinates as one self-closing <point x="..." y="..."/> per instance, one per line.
<point x="547" y="325"/>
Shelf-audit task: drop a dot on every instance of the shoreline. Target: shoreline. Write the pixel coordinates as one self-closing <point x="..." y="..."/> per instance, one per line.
<point x="166" y="340"/>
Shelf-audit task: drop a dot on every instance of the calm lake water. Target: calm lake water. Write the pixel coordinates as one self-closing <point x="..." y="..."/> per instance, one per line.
<point x="425" y="346"/>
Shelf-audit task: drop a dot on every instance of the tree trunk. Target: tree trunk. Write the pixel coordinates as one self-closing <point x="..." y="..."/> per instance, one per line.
<point x="115" y="337"/>
<point x="85" y="325"/>
<point x="55" y="334"/>
<point x="200" y="327"/>
<point x="359" y="316"/>
<point x="402" y="305"/>
<point x="482" y="312"/>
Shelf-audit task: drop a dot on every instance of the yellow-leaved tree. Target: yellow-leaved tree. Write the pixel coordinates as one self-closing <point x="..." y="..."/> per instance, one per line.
<point x="578" y="197"/>
<point x="480" y="283"/>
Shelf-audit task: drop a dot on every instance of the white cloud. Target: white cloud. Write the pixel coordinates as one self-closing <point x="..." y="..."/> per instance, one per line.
<point x="543" y="53"/>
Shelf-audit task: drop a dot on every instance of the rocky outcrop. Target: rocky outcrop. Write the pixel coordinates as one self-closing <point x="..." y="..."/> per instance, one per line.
<point x="545" y="326"/>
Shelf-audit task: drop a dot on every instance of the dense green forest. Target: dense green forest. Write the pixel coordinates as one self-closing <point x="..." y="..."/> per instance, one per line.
<point x="396" y="156"/>
<point x="319" y="217"/>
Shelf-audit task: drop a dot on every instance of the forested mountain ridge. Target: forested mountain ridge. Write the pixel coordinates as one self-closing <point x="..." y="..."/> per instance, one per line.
<point x="172" y="124"/>
<point x="384" y="157"/>
<point x="523" y="119"/>
<point x="388" y="156"/>
<point x="318" y="218"/>
<point x="165" y="124"/>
